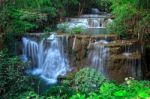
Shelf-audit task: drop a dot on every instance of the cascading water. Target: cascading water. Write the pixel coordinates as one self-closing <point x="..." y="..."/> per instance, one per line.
<point x="98" y="56"/>
<point x="89" y="23"/>
<point x="94" y="22"/>
<point x="132" y="63"/>
<point x="30" y="50"/>
<point x="47" y="57"/>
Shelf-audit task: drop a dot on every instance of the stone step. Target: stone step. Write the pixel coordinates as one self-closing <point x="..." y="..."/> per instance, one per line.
<point x="109" y="37"/>
<point x="128" y="56"/>
<point x="98" y="36"/>
<point x="92" y="38"/>
<point x="34" y="34"/>
<point x="117" y="43"/>
<point x="118" y="46"/>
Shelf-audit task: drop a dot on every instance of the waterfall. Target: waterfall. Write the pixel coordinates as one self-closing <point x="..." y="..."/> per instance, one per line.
<point x="89" y="23"/>
<point x="30" y="50"/>
<point x="98" y="56"/>
<point x="94" y="23"/>
<point x="133" y="62"/>
<point x="47" y="57"/>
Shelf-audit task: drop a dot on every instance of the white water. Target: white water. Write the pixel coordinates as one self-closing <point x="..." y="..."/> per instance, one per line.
<point x="47" y="58"/>
<point x="92" y="22"/>
<point x="98" y="56"/>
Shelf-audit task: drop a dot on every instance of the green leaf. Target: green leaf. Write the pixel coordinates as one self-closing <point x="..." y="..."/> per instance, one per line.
<point x="120" y="93"/>
<point x="143" y="94"/>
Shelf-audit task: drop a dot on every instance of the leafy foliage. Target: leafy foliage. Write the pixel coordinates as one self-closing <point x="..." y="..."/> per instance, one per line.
<point x="131" y="89"/>
<point x="63" y="27"/>
<point x="33" y="95"/>
<point x="77" y="30"/>
<point x="20" y="17"/>
<point x="66" y="28"/>
<point x="88" y="80"/>
<point x="63" y="91"/>
<point x="77" y="96"/>
<point x="129" y="15"/>
<point x="12" y="77"/>
<point x="29" y="95"/>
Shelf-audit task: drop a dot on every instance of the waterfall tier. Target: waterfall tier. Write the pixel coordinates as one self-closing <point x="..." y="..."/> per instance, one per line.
<point x="90" y="24"/>
<point x="98" y="57"/>
<point x="47" y="58"/>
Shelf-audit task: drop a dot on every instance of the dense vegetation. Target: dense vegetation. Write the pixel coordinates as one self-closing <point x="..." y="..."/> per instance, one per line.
<point x="12" y="76"/>
<point x="17" y="16"/>
<point x="131" y="17"/>
<point x="85" y="84"/>
<point x="22" y="16"/>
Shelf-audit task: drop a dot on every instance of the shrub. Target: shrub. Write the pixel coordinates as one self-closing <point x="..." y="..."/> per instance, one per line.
<point x="131" y="89"/>
<point x="76" y="30"/>
<point x="77" y="96"/>
<point x="12" y="76"/>
<point x="29" y="95"/>
<point x="62" y="90"/>
<point x="62" y="27"/>
<point x="125" y="11"/>
<point x="88" y="80"/>
<point x="71" y="28"/>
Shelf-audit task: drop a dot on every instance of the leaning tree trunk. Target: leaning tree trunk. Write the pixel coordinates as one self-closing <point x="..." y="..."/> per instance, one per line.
<point x="1" y="42"/>
<point x="80" y="11"/>
<point x="82" y="6"/>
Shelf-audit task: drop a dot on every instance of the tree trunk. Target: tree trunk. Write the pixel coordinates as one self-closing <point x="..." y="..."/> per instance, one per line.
<point x="1" y="42"/>
<point x="82" y="6"/>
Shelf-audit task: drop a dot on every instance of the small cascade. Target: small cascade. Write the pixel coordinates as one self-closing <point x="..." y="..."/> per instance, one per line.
<point x="30" y="51"/>
<point x="40" y="55"/>
<point x="132" y="63"/>
<point x="48" y="57"/>
<point x="89" y="23"/>
<point x="94" y="23"/>
<point x="98" y="56"/>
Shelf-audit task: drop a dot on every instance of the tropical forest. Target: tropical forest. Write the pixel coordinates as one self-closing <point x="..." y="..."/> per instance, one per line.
<point x="74" y="49"/>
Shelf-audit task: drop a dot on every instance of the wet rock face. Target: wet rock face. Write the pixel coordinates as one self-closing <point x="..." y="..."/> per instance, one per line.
<point x="121" y="67"/>
<point x="123" y="60"/>
<point x="79" y="48"/>
<point x="115" y="50"/>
